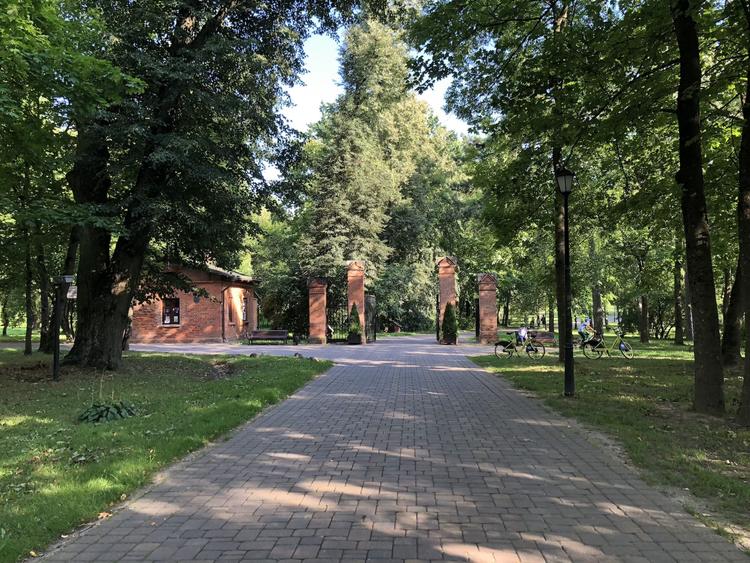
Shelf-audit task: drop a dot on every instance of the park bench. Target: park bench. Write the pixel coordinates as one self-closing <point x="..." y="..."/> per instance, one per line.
<point x="269" y="335"/>
<point x="544" y="336"/>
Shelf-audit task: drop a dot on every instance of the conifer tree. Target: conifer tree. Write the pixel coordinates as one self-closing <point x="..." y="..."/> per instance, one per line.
<point x="449" y="327"/>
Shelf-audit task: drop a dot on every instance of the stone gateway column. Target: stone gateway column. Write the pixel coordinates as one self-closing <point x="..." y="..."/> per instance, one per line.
<point x="447" y="267"/>
<point x="355" y="277"/>
<point x="316" y="290"/>
<point x="487" y="308"/>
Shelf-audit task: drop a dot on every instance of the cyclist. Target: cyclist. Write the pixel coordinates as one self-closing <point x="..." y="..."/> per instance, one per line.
<point x="585" y="330"/>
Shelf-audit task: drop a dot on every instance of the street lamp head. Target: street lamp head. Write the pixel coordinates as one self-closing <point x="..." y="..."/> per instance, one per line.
<point x="564" y="179"/>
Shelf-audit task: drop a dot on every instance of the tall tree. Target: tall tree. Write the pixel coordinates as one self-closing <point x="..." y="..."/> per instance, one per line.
<point x="170" y="169"/>
<point x="743" y="212"/>
<point x="709" y="375"/>
<point x="679" y="335"/>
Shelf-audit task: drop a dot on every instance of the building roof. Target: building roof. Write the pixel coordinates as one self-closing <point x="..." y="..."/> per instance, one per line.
<point x="230" y="275"/>
<point x="227" y="275"/>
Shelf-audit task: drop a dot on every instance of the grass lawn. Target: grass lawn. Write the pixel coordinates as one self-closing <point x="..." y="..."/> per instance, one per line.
<point x="17" y="334"/>
<point x="645" y="404"/>
<point x="56" y="473"/>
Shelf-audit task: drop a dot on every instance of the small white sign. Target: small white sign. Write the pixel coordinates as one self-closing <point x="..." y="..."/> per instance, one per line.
<point x="73" y="292"/>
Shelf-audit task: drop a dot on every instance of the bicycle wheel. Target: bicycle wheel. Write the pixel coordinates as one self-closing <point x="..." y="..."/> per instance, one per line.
<point x="626" y="350"/>
<point x="503" y="350"/>
<point x="535" y="350"/>
<point x="592" y="351"/>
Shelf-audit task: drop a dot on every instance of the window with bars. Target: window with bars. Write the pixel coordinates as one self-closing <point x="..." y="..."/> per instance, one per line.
<point x="170" y="312"/>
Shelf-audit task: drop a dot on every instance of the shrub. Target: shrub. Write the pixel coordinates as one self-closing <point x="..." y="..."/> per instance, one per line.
<point x="105" y="413"/>
<point x="449" y="326"/>
<point x="355" y="327"/>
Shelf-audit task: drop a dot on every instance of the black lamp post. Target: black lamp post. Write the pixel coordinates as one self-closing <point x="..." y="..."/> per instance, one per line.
<point x="61" y="285"/>
<point x="564" y="179"/>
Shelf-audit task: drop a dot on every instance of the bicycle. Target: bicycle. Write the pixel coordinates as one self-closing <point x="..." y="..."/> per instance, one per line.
<point x="596" y="346"/>
<point x="533" y="348"/>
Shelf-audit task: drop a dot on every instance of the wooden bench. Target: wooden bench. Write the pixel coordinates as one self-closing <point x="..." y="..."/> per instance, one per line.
<point x="544" y="336"/>
<point x="269" y="335"/>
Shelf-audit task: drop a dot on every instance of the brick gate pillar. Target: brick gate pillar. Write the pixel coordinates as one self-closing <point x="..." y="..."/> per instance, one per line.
<point x="487" y="308"/>
<point x="447" y="278"/>
<point x="316" y="290"/>
<point x="355" y="277"/>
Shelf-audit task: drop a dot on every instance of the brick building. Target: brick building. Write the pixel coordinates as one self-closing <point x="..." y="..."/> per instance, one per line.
<point x="228" y="313"/>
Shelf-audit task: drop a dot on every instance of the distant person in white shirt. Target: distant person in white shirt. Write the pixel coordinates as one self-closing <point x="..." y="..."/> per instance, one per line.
<point x="522" y="333"/>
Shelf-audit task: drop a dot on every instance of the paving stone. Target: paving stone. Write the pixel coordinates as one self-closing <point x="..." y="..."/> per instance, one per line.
<point x="404" y="451"/>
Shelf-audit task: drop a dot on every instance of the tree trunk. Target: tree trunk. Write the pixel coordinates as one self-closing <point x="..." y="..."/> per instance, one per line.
<point x="106" y="284"/>
<point x="28" y="297"/>
<point x="726" y="292"/>
<point x="69" y="269"/>
<point x="99" y="339"/>
<point x="731" y="337"/>
<point x="743" y="228"/>
<point x="597" y="311"/>
<point x="688" y="309"/>
<point x="679" y="337"/>
<point x="506" y="309"/>
<point x="643" y="328"/>
<point x="45" y="336"/>
<point x="562" y="323"/>
<point x="551" y="317"/>
<point x="709" y="374"/>
<point x="4" y="317"/>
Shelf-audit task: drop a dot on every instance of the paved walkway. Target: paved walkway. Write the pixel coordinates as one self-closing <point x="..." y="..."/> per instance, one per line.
<point x="403" y="451"/>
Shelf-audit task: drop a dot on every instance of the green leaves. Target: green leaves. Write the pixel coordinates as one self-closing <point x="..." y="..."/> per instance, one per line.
<point x="355" y="326"/>
<point x="103" y="413"/>
<point x="449" y="325"/>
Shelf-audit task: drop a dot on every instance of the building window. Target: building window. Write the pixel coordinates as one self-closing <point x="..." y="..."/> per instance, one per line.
<point x="244" y="310"/>
<point x="170" y="313"/>
<point x="230" y="310"/>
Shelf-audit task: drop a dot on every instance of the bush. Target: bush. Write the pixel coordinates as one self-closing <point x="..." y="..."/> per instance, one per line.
<point x="355" y="327"/>
<point x="449" y="326"/>
<point x="105" y="413"/>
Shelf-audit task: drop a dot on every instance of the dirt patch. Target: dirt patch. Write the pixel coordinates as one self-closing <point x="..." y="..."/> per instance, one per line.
<point x="220" y="369"/>
<point x="32" y="372"/>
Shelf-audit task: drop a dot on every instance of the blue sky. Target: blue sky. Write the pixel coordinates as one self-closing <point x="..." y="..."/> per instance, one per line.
<point x="321" y="84"/>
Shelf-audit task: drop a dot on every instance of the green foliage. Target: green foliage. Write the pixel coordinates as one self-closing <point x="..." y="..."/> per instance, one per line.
<point x="106" y="413"/>
<point x="376" y="179"/>
<point x="355" y="326"/>
<point x="276" y="255"/>
<point x="449" y="326"/>
<point x="56" y="473"/>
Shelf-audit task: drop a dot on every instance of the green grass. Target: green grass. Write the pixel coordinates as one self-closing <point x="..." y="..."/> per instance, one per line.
<point x="18" y="334"/>
<point x="645" y="403"/>
<point x="56" y="473"/>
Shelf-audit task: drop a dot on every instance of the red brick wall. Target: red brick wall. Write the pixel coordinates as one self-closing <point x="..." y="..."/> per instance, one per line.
<point x="199" y="322"/>
<point x="317" y="311"/>
<point x="234" y="298"/>
<point x="355" y="274"/>
<point x="447" y="283"/>
<point x="487" y="308"/>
